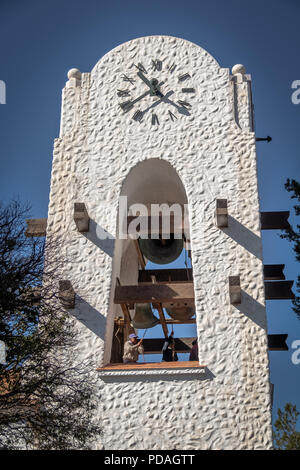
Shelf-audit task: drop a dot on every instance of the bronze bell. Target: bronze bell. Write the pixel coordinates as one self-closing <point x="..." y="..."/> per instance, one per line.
<point x="144" y="317"/>
<point x="161" y="251"/>
<point x="180" y="310"/>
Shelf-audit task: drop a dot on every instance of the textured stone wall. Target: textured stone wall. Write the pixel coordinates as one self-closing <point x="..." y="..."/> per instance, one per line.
<point x="214" y="154"/>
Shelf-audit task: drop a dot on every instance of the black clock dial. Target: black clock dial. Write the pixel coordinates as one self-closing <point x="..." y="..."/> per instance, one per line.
<point x="159" y="81"/>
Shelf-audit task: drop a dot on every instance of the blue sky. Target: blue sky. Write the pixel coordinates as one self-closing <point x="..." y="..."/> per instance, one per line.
<point x="41" y="40"/>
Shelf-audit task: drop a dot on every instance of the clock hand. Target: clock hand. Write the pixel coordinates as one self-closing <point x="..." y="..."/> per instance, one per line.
<point x="128" y="105"/>
<point x="159" y="93"/>
<point x="141" y="97"/>
<point x="180" y="109"/>
<point x="145" y="80"/>
<point x="164" y="98"/>
<point x="152" y="84"/>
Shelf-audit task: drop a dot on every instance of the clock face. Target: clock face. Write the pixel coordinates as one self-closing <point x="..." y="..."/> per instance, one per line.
<point x="155" y="91"/>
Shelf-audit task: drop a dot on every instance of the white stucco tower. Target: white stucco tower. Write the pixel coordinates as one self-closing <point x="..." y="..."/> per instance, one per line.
<point x="189" y="140"/>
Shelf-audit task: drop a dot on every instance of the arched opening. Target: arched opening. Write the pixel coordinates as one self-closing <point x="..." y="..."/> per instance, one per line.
<point x="154" y="295"/>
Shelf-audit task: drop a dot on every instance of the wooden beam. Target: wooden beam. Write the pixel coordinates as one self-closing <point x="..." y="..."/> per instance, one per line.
<point x="162" y="320"/>
<point x="279" y="290"/>
<point x="169" y="321"/>
<point x="155" y="345"/>
<point x="183" y="345"/>
<point x="81" y="217"/>
<point x="157" y="293"/>
<point x="66" y="294"/>
<point x="128" y="328"/>
<point x="274" y="220"/>
<point x="117" y="346"/>
<point x="36" y="227"/>
<point x="235" y="290"/>
<point x="221" y="213"/>
<point x="184" y="292"/>
<point x="153" y="365"/>
<point x="273" y="272"/>
<point x="180" y="322"/>
<point x="165" y="275"/>
<point x="140" y="254"/>
<point x="126" y="313"/>
<point x="277" y="342"/>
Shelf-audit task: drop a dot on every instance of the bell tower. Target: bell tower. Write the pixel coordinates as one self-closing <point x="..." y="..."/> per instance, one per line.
<point x="159" y="133"/>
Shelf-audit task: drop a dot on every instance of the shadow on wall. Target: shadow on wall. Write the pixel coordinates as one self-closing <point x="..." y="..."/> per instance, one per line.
<point x="93" y="319"/>
<point x="244" y="237"/>
<point x="160" y="377"/>
<point x="101" y="238"/>
<point x="254" y="310"/>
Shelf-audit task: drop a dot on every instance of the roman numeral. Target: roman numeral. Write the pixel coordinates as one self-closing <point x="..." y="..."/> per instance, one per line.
<point x="183" y="77"/>
<point x="154" y="119"/>
<point x="123" y="93"/>
<point x="126" y="106"/>
<point x="138" y="116"/>
<point x="172" y="116"/>
<point x="140" y="67"/>
<point x="157" y="65"/>
<point x="127" y="79"/>
<point x="184" y="104"/>
<point x="188" y="90"/>
<point x="172" y="67"/>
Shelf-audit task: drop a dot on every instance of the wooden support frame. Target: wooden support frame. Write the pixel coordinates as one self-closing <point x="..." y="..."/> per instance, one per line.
<point x="152" y="365"/>
<point x="162" y="319"/>
<point x="81" y="217"/>
<point x="168" y="292"/>
<point x="235" y="290"/>
<point x="141" y="258"/>
<point x="66" y="294"/>
<point x="128" y="328"/>
<point x="279" y="290"/>
<point x="36" y="227"/>
<point x="184" y="345"/>
<point x="274" y="220"/>
<point x="221" y="213"/>
<point x="155" y="345"/>
<point x="169" y="321"/>
<point x="274" y="272"/>
<point x="154" y="293"/>
<point x="277" y="342"/>
<point x="117" y="346"/>
<point x="163" y="276"/>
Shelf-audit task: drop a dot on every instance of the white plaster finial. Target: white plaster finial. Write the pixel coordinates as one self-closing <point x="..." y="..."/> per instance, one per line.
<point x="238" y="68"/>
<point x="74" y="73"/>
<point x="74" y="76"/>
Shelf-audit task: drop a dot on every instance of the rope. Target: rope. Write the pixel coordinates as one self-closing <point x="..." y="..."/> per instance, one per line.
<point x="145" y="333"/>
<point x="143" y="338"/>
<point x="186" y="264"/>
